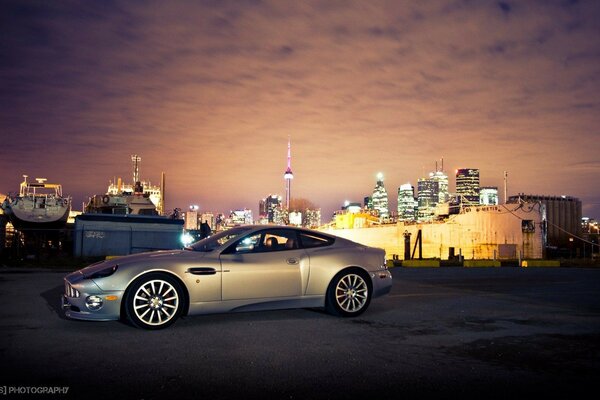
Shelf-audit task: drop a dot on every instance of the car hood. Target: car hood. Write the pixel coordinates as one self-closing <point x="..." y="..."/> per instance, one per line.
<point x="132" y="259"/>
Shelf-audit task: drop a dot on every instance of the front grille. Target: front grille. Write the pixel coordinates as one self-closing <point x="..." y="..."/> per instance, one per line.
<point x="70" y="291"/>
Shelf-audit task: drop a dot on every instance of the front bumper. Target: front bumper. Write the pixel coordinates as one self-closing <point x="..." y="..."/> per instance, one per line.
<point x="74" y="301"/>
<point x="382" y="282"/>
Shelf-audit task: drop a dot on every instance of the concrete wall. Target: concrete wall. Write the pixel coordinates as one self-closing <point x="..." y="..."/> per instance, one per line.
<point x="100" y="235"/>
<point x="476" y="233"/>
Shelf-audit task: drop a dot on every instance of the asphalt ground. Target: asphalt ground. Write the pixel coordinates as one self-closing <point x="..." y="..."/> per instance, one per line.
<point x="441" y="333"/>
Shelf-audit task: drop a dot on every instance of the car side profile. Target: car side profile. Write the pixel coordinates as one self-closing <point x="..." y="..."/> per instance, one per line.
<point x="246" y="268"/>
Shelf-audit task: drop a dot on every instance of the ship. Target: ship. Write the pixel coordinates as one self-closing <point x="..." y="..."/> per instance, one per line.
<point x="141" y="198"/>
<point x="504" y="231"/>
<point x="39" y="205"/>
<point x="122" y="203"/>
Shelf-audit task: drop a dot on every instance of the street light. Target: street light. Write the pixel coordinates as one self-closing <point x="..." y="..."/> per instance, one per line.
<point x="571" y="247"/>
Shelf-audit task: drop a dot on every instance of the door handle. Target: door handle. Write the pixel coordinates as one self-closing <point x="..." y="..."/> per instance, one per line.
<point x="202" y="271"/>
<point x="292" y="261"/>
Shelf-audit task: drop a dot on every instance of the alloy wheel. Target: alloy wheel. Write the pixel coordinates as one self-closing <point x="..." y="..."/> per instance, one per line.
<point x="351" y="293"/>
<point x="156" y="302"/>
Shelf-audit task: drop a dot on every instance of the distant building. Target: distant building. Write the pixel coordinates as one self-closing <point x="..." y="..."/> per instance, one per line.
<point x="380" y="198"/>
<point x="368" y="202"/>
<point x="220" y="221"/>
<point x="308" y="218"/>
<point x="467" y="185"/>
<point x="351" y="207"/>
<point x="407" y="205"/>
<point x="191" y="220"/>
<point x="241" y="217"/>
<point x="312" y="218"/>
<point x="270" y="209"/>
<point x="488" y="195"/>
<point x="209" y="219"/>
<point x="427" y="198"/>
<point x="295" y="218"/>
<point x="443" y="194"/>
<point x="590" y="225"/>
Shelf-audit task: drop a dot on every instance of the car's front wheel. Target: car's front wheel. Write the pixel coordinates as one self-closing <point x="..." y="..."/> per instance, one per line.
<point x="348" y="294"/>
<point x="154" y="301"/>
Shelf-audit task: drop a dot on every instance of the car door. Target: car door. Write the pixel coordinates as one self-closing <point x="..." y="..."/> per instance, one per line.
<point x="203" y="278"/>
<point x="266" y="264"/>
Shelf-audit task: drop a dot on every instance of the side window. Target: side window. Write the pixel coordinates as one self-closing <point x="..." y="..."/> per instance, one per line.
<point x="248" y="244"/>
<point x="279" y="240"/>
<point x="309" y="240"/>
<point x="265" y="241"/>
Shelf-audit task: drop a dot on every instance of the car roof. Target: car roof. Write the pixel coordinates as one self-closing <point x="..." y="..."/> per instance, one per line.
<point x="257" y="227"/>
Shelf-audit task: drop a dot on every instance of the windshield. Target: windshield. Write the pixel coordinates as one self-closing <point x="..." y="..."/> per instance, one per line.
<point x="217" y="240"/>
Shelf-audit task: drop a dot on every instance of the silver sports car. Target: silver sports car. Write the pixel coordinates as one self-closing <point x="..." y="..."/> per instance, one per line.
<point x="246" y="268"/>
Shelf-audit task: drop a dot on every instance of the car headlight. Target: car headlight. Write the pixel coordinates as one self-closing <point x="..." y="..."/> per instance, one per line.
<point x="94" y="303"/>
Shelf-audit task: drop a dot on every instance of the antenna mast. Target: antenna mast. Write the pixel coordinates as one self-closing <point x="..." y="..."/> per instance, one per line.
<point x="505" y="187"/>
<point x="135" y="159"/>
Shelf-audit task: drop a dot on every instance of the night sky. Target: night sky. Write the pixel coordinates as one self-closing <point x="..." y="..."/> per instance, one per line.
<point x="209" y="91"/>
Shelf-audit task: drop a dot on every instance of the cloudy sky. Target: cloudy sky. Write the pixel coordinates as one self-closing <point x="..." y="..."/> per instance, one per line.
<point x="209" y="91"/>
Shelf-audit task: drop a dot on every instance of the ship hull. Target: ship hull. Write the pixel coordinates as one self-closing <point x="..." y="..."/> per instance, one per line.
<point x="26" y="216"/>
<point x="506" y="231"/>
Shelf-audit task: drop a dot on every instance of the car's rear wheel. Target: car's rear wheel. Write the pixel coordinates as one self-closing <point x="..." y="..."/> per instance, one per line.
<point x="348" y="294"/>
<point x="154" y="301"/>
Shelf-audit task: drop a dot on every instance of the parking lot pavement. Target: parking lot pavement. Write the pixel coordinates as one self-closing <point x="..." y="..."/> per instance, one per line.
<point x="442" y="332"/>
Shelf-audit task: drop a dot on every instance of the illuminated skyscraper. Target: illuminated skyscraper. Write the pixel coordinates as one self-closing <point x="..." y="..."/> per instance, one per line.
<point x="270" y="209"/>
<point x="406" y="202"/>
<point x="312" y="218"/>
<point x="467" y="185"/>
<point x="209" y="218"/>
<point x="288" y="176"/>
<point x="427" y="198"/>
<point x="241" y="217"/>
<point x="380" y="198"/>
<point x="442" y="188"/>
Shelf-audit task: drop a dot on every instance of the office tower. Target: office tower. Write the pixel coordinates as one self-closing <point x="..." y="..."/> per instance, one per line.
<point x="406" y="202"/>
<point x="191" y="218"/>
<point x="270" y="208"/>
<point x="209" y="218"/>
<point x="427" y="198"/>
<point x="380" y="198"/>
<point x="241" y="217"/>
<point x="467" y="185"/>
<point x="312" y="218"/>
<point x="441" y="178"/>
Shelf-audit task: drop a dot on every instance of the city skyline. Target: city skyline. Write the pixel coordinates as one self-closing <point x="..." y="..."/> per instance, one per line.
<point x="209" y="93"/>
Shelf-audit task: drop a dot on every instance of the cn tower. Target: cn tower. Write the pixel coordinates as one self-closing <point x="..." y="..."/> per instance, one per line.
<point x="288" y="176"/>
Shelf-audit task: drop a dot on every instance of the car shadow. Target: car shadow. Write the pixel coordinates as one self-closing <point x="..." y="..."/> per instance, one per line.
<point x="53" y="298"/>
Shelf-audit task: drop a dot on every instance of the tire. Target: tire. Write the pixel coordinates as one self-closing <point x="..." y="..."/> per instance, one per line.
<point x="349" y="293"/>
<point x="154" y="301"/>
